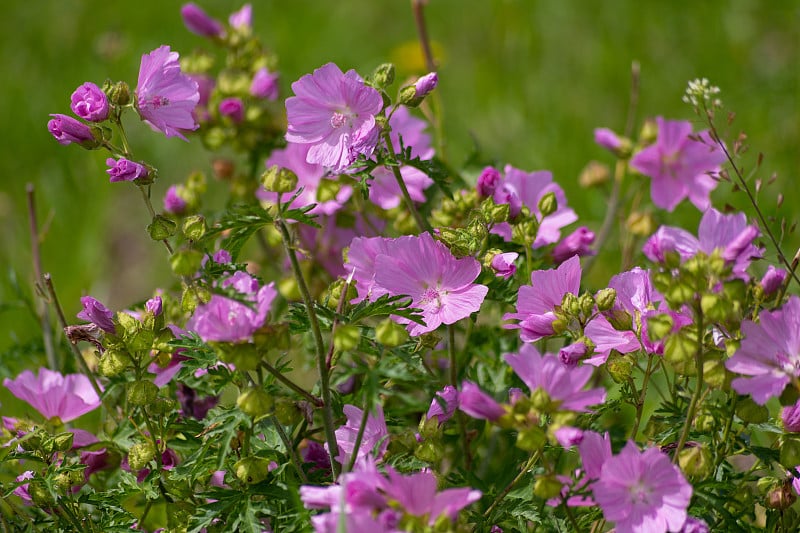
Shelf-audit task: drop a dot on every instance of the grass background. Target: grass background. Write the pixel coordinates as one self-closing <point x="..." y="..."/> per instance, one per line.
<point x="525" y="81"/>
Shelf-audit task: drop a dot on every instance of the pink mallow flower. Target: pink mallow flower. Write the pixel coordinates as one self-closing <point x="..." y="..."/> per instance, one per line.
<point x="165" y="97"/>
<point x="503" y="264"/>
<point x="89" y="102"/>
<point x="374" y="439"/>
<point x="55" y="395"/>
<point x="477" y="404"/>
<point x="519" y="188"/>
<point x="536" y="302"/>
<point x="173" y="202"/>
<point x="125" y="170"/>
<point x="243" y="19"/>
<point x="642" y="492"/>
<point x="199" y="22"/>
<point x="443" y="405"/>
<point x="417" y="496"/>
<point x="426" y="84"/>
<point x="67" y="130"/>
<point x="564" y="385"/>
<point x="384" y="191"/>
<point x="97" y="313"/>
<point x="576" y="243"/>
<point x="679" y="165"/>
<point x="769" y="353"/>
<point x="728" y="234"/>
<point x="233" y="108"/>
<point x="335" y="114"/>
<point x="225" y="320"/>
<point x="438" y="283"/>
<point x="773" y="280"/>
<point x="265" y="84"/>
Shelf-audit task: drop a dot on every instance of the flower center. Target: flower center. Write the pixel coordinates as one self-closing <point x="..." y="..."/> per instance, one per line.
<point x="432" y="295"/>
<point x="640" y="494"/>
<point x="789" y="365"/>
<point x="339" y="119"/>
<point x="155" y="102"/>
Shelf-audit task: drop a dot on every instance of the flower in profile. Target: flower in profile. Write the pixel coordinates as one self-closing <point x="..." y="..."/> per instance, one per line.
<point x="443" y="405"/>
<point x="576" y="243"/>
<point x="790" y="416"/>
<point x="642" y="492"/>
<point x="607" y="139"/>
<point x="477" y="404"/>
<point x="335" y="114"/>
<point x="438" y="283"/>
<point x="769" y="353"/>
<point x="426" y="84"/>
<point x="502" y="264"/>
<point x="55" y="395"/>
<point x="223" y="319"/>
<point x="67" y="130"/>
<point x="89" y="102"/>
<point x="488" y="181"/>
<point x="199" y="22"/>
<point x="265" y="84"/>
<point x="165" y="97"/>
<point x="563" y="385"/>
<point x="773" y="280"/>
<point x="679" y="165"/>
<point x="233" y="108"/>
<point x="730" y="235"/>
<point x="125" y="170"/>
<point x="97" y="313"/>
<point x="417" y="495"/>
<point x="536" y="302"/>
<point x="173" y="202"/>
<point x="243" y="19"/>
<point x="374" y="438"/>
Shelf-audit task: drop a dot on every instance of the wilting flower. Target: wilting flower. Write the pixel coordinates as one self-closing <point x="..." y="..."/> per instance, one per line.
<point x="55" y="395"/>
<point x="536" y="302"/>
<point x="89" y="102"/>
<point x="679" y="165"/>
<point x="335" y="114"/>
<point x="197" y="21"/>
<point x="125" y="170"/>
<point x="769" y="353"/>
<point x="576" y="243"/>
<point x="165" y="97"/>
<point x="67" y="130"/>
<point x="98" y="314"/>
<point x="264" y="84"/>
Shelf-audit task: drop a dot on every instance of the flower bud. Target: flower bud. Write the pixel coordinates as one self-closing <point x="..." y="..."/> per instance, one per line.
<point x="640" y="224"/>
<point x="695" y="461"/>
<point x="161" y="228"/>
<point x="265" y="84"/>
<point x="546" y="487"/>
<point x="620" y="366"/>
<point x="174" y="202"/>
<point x="714" y="373"/>
<point x="426" y="84"/>
<point x="620" y="319"/>
<point x="772" y="280"/>
<point x="125" y="170"/>
<point x="119" y="93"/>
<point x="113" y="363"/>
<point x="194" y="227"/>
<point x="790" y="416"/>
<point x="781" y="497"/>
<point x="605" y="299"/>
<point x="40" y="494"/>
<point x="255" y="403"/>
<point x="429" y="451"/>
<point x="750" y="412"/>
<point x="488" y="182"/>
<point x="252" y="469"/>
<point x="244" y="356"/>
<point x="659" y="326"/>
<point x="90" y="103"/>
<point x="140" y="455"/>
<point x="233" y="108"/>
<point x="593" y="174"/>
<point x="576" y="243"/>
<point x="531" y="439"/>
<point x="586" y="304"/>
<point x="142" y="392"/>
<point x="278" y="179"/>
<point x="619" y="146"/>
<point x="346" y="337"/>
<point x="67" y="130"/>
<point x="198" y="22"/>
<point x="63" y="441"/>
<point x="186" y="262"/>
<point x="390" y="333"/>
<point x="287" y="412"/>
<point x="679" y="351"/>
<point x="714" y="307"/>
<point x="548" y="205"/>
<point x="502" y="264"/>
<point x="382" y="77"/>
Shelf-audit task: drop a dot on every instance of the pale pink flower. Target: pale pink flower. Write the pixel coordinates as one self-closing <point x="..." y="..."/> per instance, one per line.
<point x="375" y="436"/>
<point x="55" y="395"/>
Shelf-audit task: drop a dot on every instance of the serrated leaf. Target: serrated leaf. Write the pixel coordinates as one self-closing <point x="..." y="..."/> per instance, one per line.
<point x="383" y="306"/>
<point x="240" y="222"/>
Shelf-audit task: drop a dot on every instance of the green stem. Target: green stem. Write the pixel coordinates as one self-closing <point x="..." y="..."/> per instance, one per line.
<point x="287" y="443"/>
<point x="531" y="461"/>
<point x="698" y="361"/>
<point x="291" y="384"/>
<point x="642" y="393"/>
<point x="149" y="204"/>
<point x="322" y="367"/>
<point x="359" y="437"/>
<point x="462" y="422"/>
<point x="422" y="224"/>
<point x="44" y="316"/>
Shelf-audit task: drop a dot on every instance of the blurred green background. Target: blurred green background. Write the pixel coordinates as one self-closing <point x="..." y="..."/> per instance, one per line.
<point x="526" y="82"/>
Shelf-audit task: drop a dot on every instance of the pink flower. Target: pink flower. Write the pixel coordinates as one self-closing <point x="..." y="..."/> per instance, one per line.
<point x="426" y="84"/>
<point x="55" y="395"/>
<point x="518" y="188"/>
<point x="417" y="495"/>
<point x="197" y="21"/>
<point x="790" y="416"/>
<point x="265" y="84"/>
<point x="607" y="139"/>
<point x="232" y="108"/>
<point x="335" y="114"/>
<point x="438" y="283"/>
<point x="173" y="203"/>
<point x="488" y="182"/>
<point x="124" y="170"/>
<point x="375" y="436"/>
<point x="536" y="302"/>
<point x="443" y="405"/>
<point x="773" y="279"/>
<point x="242" y="19"/>
<point x="563" y="384"/>
<point x="98" y="314"/>
<point x="642" y="492"/>
<point x="769" y="353"/>
<point x="679" y="166"/>
<point x="576" y="243"/>
<point x="503" y="264"/>
<point x="67" y="130"/>
<point x="89" y="102"/>
<point x="165" y="97"/>
<point x="477" y="404"/>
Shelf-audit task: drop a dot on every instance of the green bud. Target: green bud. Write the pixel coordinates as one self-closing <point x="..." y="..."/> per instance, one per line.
<point x="194" y="227"/>
<point x="64" y="481"/>
<point x="586" y="304"/>
<point x="408" y="97"/>
<point x="113" y="363"/>
<point x="63" y="441"/>
<point x="559" y="326"/>
<point x="605" y="299"/>
<point x="593" y="174"/>
<point x="659" y="326"/>
<point x="244" y="355"/>
<point x="570" y="304"/>
<point x="790" y="451"/>
<point x="287" y="412"/>
<point x="140" y="455"/>
<point x="705" y="423"/>
<point x="390" y="333"/>
<point x="679" y="294"/>
<point x="162" y="406"/>
<point x="640" y="224"/>
<point x="531" y="439"/>
<point x="714" y="374"/>
<point x="118" y="93"/>
<point x="679" y="351"/>
<point x="255" y="402"/>
<point x="279" y="179"/>
<point x="142" y="392"/>
<point x="327" y="190"/>
<point x="620" y="320"/>
<point x="649" y="131"/>
<point x="251" y="469"/>
<point x="540" y="400"/>
<point x="141" y="340"/>
<point x="186" y="262"/>
<point x="620" y="367"/>
<point x="382" y="77"/>
<point x="695" y="461"/>
<point x="546" y="487"/>
<point x="548" y="204"/>
<point x="289" y="289"/>
<point x="766" y="484"/>
<point x="429" y="451"/>
<point x="749" y="411"/>
<point x="161" y="228"/>
<point x="714" y="307"/>
<point x="346" y="337"/>
<point x="40" y="494"/>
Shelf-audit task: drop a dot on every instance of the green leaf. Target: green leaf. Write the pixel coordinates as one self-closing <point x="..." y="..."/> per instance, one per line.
<point x="241" y="222"/>
<point x="385" y="305"/>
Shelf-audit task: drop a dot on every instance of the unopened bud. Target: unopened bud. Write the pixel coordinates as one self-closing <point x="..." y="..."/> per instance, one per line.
<point x="531" y="439"/>
<point x="429" y="451"/>
<point x="594" y="174"/>
<point x="346" y="337"/>
<point x="679" y="351"/>
<point x="714" y="374"/>
<point x="186" y="262"/>
<point x="695" y="461"/>
<point x="279" y="179"/>
<point x="547" y="204"/>
<point x="140" y="454"/>
<point x="382" y="77"/>
<point x="244" y="356"/>
<point x="640" y="224"/>
<point x="390" y="333"/>
<point x="142" y="392"/>
<point x="255" y="402"/>
<point x="161" y="228"/>
<point x="547" y="487"/>
<point x="63" y="441"/>
<point x="113" y="363"/>
<point x="252" y="469"/>
<point x="605" y="299"/>
<point x="620" y="366"/>
<point x="118" y="93"/>
<point x="194" y="227"/>
<point x="782" y="496"/>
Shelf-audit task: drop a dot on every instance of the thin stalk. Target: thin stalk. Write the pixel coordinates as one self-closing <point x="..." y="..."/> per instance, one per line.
<point x="422" y="224"/>
<point x="359" y="437"/>
<point x="322" y="367"/>
<point x="149" y="423"/>
<point x="531" y="461"/>
<point x="698" y="361"/>
<point x="462" y="423"/>
<point x="570" y="516"/>
<point x="339" y="311"/>
<point x="146" y="197"/>
<point x="642" y="393"/>
<point x="291" y="384"/>
<point x="44" y="313"/>
<point x="293" y="457"/>
<point x="418" y="7"/>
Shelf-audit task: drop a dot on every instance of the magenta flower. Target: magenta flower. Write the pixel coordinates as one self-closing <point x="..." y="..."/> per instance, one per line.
<point x="154" y="305"/>
<point x="197" y="21"/>
<point x="375" y="436"/>
<point x="488" y="181"/>
<point x="165" y="97"/>
<point x="443" y="405"/>
<point x="642" y="492"/>
<point x="205" y="86"/>
<point x="98" y="314"/>
<point x="173" y="203"/>
<point x="769" y="353"/>
<point x="265" y="84"/>
<point x="124" y="170"/>
<point x="679" y="166"/>
<point x="519" y="188"/>
<point x="89" y="102"/>
<point x="536" y="302"/>
<point x="773" y="279"/>
<point x="438" y="283"/>
<point x="233" y="108"/>
<point x="67" y="130"/>
<point x="417" y="495"/>
<point x="384" y="190"/>
<point x="576" y="243"/>
<point x="361" y="263"/>
<point x="607" y="139"/>
<point x="426" y="84"/>
<point x="790" y="416"/>
<point x="477" y="404"/>
<point x="225" y="320"/>
<point x="563" y="384"/>
<point x="55" y="395"/>
<point x="242" y="19"/>
<point x="728" y="234"/>
<point x="335" y="114"/>
<point x="503" y="264"/>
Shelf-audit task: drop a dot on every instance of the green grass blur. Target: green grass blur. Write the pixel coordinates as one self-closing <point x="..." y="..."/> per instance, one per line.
<point x="525" y="82"/>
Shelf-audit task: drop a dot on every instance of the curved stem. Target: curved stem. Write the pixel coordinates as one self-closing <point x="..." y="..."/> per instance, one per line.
<point x="149" y="204"/>
<point x="531" y="461"/>
<point x="293" y="457"/>
<point x="291" y="384"/>
<point x="422" y="224"/>
<point x="359" y="437"/>
<point x="698" y="361"/>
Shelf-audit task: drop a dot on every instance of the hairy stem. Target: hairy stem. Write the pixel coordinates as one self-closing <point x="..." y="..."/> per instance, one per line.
<point x="291" y="384"/>
<point x="698" y="361"/>
<point x="422" y="224"/>
<point x="290" y="449"/>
